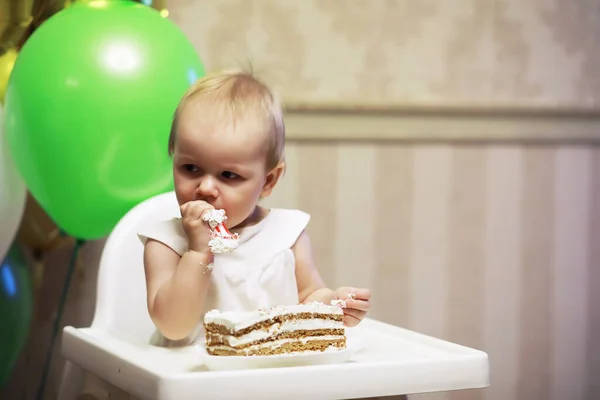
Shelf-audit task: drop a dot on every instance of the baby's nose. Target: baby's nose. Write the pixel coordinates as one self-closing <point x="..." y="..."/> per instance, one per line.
<point x="207" y="186"/>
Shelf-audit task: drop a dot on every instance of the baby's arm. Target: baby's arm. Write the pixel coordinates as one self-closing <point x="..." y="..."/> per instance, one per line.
<point x="310" y="284"/>
<point x="176" y="288"/>
<point x="312" y="288"/>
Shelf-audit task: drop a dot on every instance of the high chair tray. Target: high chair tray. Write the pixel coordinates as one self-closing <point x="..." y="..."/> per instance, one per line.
<point x="390" y="361"/>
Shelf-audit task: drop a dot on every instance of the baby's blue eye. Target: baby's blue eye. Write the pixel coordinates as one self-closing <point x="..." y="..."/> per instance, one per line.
<point x="229" y="175"/>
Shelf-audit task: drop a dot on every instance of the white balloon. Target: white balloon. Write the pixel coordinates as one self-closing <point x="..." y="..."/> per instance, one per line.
<point x="12" y="194"/>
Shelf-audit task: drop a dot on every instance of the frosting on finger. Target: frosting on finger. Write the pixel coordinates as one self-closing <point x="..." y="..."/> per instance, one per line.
<point x="339" y="303"/>
<point x="214" y="217"/>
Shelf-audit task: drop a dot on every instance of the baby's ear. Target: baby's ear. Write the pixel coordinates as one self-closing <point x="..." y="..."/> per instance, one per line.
<point x="272" y="179"/>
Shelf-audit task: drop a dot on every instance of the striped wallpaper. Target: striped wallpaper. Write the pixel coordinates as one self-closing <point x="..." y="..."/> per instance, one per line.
<point x="488" y="246"/>
<point x="492" y="247"/>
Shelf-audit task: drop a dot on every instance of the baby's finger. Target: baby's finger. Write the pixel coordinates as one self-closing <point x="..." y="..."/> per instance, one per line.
<point x="188" y="207"/>
<point x="362" y="305"/>
<point x="196" y="210"/>
<point x="353" y="293"/>
<point x="355" y="313"/>
<point x="350" y="320"/>
<point x="360" y="294"/>
<point x="183" y="207"/>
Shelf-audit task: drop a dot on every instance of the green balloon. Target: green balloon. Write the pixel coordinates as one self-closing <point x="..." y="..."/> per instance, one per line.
<point x="88" y="111"/>
<point x="16" y="306"/>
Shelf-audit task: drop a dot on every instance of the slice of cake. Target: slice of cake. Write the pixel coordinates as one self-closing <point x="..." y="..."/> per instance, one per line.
<point x="299" y="328"/>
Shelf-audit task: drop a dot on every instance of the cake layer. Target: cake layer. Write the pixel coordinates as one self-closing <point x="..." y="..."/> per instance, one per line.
<point x="281" y="322"/>
<point x="215" y="340"/>
<point x="283" y="346"/>
<point x="233" y="322"/>
<point x="304" y="325"/>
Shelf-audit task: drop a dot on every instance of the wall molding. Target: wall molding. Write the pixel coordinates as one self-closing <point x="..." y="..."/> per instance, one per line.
<point x="441" y="123"/>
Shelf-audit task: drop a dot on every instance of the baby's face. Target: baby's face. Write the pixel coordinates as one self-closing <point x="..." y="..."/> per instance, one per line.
<point x="222" y="164"/>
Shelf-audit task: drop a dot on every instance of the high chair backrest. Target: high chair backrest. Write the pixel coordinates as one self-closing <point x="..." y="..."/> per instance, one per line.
<point x="121" y="292"/>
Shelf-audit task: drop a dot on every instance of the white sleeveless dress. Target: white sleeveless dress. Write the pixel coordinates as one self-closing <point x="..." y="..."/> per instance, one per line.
<point x="261" y="272"/>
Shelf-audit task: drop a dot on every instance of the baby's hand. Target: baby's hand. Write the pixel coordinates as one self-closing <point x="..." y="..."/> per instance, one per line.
<point x="355" y="303"/>
<point x="197" y="231"/>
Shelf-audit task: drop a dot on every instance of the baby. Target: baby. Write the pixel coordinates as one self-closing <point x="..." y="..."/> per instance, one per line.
<point x="227" y="144"/>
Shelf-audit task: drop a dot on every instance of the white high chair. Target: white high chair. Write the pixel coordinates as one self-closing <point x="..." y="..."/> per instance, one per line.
<point x="114" y="350"/>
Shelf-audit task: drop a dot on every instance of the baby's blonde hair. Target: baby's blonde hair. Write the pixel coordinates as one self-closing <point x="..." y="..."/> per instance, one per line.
<point x="241" y="92"/>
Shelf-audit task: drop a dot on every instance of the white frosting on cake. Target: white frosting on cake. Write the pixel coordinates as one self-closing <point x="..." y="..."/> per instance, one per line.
<point x="234" y="320"/>
<point x="287" y="326"/>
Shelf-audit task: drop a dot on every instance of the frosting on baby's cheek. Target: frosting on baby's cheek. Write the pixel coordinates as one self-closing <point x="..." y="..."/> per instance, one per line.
<point x="222" y="240"/>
